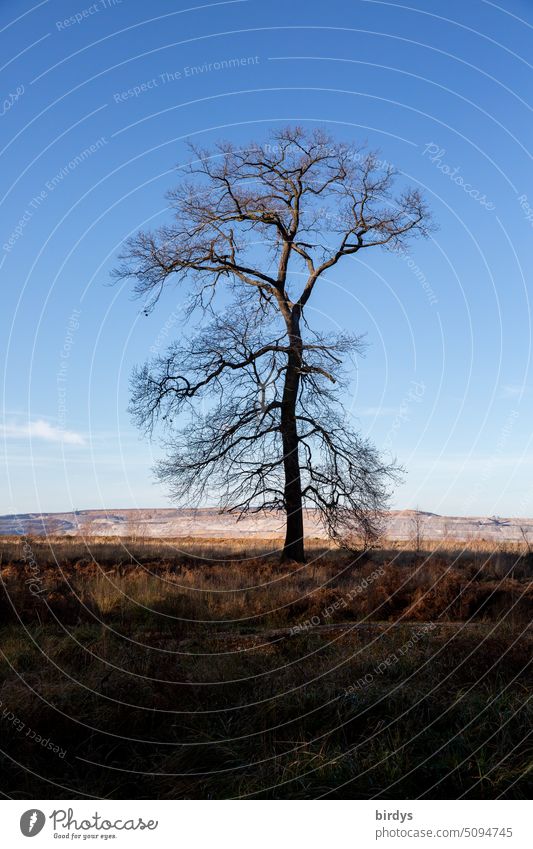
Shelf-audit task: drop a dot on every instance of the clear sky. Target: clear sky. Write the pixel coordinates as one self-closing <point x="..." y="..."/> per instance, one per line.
<point x="99" y="100"/>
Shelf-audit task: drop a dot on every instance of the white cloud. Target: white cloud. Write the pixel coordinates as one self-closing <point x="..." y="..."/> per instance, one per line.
<point x="376" y="411"/>
<point x="41" y="429"/>
<point x="513" y="390"/>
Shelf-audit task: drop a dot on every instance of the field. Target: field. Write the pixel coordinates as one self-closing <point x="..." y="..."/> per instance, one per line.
<point x="141" y="668"/>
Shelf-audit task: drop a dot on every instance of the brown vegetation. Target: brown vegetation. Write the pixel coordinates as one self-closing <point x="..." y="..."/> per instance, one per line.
<point x="194" y="669"/>
<point x="243" y="582"/>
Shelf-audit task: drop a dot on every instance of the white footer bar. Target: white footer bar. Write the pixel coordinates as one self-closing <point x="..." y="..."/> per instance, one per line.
<point x="268" y="824"/>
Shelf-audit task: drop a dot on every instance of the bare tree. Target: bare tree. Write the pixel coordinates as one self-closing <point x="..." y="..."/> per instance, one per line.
<point x="525" y="537"/>
<point x="269" y="221"/>
<point x="417" y="522"/>
<point x="136" y="524"/>
<point x="84" y="523"/>
<point x="136" y="530"/>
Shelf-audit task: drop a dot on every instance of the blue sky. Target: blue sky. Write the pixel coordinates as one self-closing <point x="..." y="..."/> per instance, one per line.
<point x="100" y="100"/>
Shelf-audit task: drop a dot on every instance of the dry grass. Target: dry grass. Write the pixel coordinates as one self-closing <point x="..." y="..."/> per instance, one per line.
<point x="245" y="585"/>
<point x="203" y="669"/>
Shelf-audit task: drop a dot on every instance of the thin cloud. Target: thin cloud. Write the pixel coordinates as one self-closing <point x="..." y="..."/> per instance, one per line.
<point x="42" y="430"/>
<point x="513" y="390"/>
<point x="377" y="411"/>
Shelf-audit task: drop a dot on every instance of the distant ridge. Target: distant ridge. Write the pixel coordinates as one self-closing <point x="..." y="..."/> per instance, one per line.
<point x="171" y="522"/>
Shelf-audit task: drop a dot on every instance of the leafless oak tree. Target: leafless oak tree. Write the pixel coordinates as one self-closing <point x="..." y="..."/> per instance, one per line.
<point x="266" y="429"/>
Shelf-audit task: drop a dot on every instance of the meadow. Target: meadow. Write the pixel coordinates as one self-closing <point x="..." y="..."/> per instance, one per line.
<point x="142" y="668"/>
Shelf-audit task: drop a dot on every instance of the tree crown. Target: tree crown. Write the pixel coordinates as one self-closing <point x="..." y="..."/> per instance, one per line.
<point x="253" y="215"/>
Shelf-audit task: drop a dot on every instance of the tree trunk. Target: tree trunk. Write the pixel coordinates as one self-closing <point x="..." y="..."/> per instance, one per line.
<point x="293" y="548"/>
